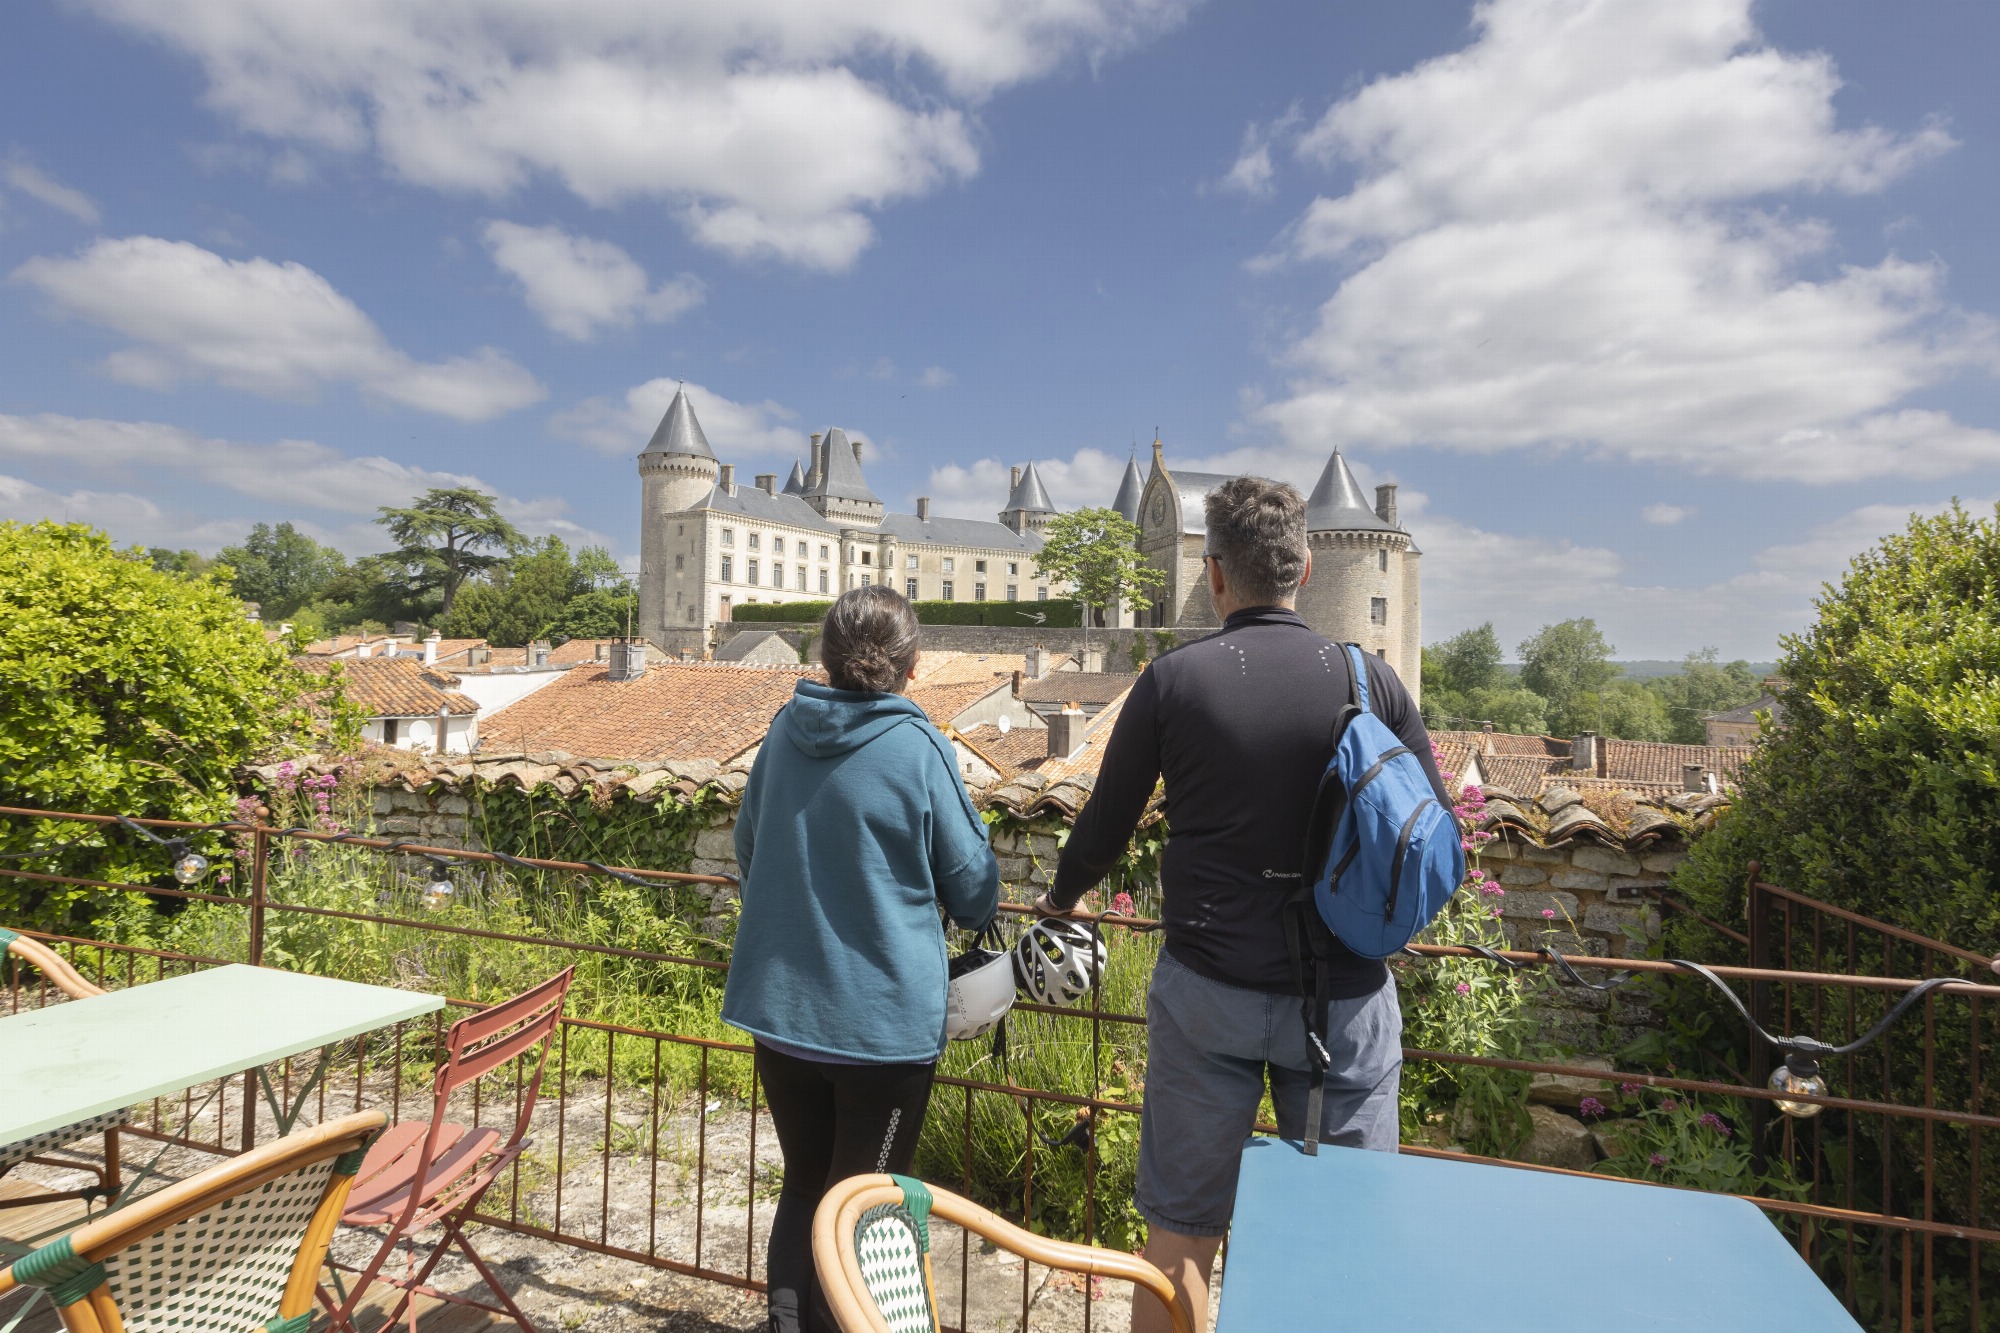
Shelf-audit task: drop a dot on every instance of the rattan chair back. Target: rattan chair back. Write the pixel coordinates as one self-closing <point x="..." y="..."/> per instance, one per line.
<point x="49" y="963"/>
<point x="235" y="1249"/>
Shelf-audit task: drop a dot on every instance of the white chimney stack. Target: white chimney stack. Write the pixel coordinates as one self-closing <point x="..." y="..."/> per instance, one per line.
<point x="431" y="649"/>
<point x="1066" y="732"/>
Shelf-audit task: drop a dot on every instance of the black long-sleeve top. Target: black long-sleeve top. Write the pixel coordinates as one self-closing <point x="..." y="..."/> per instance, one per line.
<point x="1240" y="725"/>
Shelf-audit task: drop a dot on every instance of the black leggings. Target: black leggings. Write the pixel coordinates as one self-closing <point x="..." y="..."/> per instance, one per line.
<point x="833" y="1121"/>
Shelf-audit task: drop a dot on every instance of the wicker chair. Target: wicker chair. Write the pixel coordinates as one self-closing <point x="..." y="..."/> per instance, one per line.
<point x="235" y="1249"/>
<point x="871" y="1248"/>
<point x="41" y="1147"/>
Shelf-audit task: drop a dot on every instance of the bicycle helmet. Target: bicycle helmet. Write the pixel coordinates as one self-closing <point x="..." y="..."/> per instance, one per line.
<point x="982" y="988"/>
<point x="1056" y="961"/>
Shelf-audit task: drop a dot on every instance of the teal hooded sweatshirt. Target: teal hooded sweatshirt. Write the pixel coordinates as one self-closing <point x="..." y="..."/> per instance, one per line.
<point x="854" y="829"/>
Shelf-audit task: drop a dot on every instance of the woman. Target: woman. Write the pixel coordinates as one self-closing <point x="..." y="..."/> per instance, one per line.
<point x="854" y="829"/>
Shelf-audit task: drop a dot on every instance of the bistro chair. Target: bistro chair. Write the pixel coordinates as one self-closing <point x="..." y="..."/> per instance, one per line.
<point x="872" y="1251"/>
<point x="424" y="1173"/>
<point x="40" y="1148"/>
<point x="236" y="1249"/>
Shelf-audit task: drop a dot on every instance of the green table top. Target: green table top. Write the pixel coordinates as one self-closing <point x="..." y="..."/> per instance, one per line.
<point x="71" y="1061"/>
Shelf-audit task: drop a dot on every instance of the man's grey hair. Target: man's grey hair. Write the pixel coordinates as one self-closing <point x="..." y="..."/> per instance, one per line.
<point x="1257" y="530"/>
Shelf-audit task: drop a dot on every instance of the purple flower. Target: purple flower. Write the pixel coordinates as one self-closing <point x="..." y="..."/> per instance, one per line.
<point x="1658" y="1159"/>
<point x="1590" y="1108"/>
<point x="1669" y="1104"/>
<point x="1465" y="988"/>
<point x="1475" y="874"/>
<point x="1628" y="1088"/>
<point x="1710" y="1120"/>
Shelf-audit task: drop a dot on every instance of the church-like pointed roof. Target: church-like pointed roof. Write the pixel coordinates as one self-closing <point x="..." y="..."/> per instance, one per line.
<point x="1130" y="488"/>
<point x="1030" y="496"/>
<point x="678" y="431"/>
<point x="840" y="471"/>
<point x="796" y="483"/>
<point x="1337" y="504"/>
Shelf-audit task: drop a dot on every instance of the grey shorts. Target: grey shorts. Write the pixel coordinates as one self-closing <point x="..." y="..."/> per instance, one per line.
<point x="1208" y="1047"/>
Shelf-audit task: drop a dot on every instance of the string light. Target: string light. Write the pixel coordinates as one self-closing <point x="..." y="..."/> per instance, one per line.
<point x="439" y="892"/>
<point x="190" y="866"/>
<point x="1799" y="1076"/>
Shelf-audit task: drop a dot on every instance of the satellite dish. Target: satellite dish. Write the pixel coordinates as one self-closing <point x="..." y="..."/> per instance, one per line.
<point x="1006" y="724"/>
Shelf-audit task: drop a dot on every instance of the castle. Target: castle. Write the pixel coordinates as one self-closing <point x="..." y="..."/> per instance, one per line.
<point x="708" y="544"/>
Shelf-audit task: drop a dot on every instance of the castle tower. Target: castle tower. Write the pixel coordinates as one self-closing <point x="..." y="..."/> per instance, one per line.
<point x="835" y="486"/>
<point x="677" y="472"/>
<point x="1364" y="586"/>
<point x="1131" y="488"/>
<point x="1029" y="508"/>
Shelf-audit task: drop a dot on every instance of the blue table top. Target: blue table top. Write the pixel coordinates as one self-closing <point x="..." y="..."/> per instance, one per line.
<point x="1357" y="1240"/>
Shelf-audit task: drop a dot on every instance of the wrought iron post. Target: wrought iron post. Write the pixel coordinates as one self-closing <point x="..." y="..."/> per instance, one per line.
<point x="1757" y="915"/>
<point x="260" y="856"/>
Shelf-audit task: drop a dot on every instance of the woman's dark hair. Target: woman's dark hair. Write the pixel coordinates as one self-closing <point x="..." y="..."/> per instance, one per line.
<point x="869" y="640"/>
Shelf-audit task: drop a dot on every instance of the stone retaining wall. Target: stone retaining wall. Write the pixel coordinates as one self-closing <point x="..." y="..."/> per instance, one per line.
<point x="1004" y="639"/>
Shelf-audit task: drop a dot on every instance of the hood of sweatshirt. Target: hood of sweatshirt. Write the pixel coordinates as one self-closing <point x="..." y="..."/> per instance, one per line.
<point x="822" y="721"/>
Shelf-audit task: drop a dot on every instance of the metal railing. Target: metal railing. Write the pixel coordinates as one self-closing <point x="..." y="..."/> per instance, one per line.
<point x="1887" y="1252"/>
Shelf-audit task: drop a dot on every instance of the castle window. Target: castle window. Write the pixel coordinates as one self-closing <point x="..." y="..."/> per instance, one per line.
<point x="979" y="566"/>
<point x="822" y="581"/>
<point x="1382" y="560"/>
<point x="867" y="557"/>
<point x="1041" y="594"/>
<point x="680" y="529"/>
<point x="690" y="615"/>
<point x="910" y="589"/>
<point x="777" y="546"/>
<point x="822" y="555"/>
<point x="947" y="590"/>
<point x="1013" y="593"/>
<point x="728" y="569"/>
<point x="777" y="575"/>
<point x="1378" y="610"/>
<point x="950" y="564"/>
<point x="724" y="613"/>
<point x="753" y="574"/>
<point x="854" y="555"/>
<point x="909" y="562"/>
<point x="729" y="536"/>
<point x="1013" y="569"/>
<point x="864" y="580"/>
<point x="680" y="562"/>
<point x="802" y="579"/>
<point x="978" y="592"/>
<point x="753" y="541"/>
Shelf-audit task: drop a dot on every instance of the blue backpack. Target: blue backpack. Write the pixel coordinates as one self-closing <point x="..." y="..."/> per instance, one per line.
<point x="1382" y="858"/>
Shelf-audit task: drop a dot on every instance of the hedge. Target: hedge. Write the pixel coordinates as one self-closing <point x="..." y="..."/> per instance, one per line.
<point x="1059" y="615"/>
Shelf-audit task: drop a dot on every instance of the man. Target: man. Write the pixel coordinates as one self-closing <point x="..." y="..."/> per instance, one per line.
<point x="1240" y="725"/>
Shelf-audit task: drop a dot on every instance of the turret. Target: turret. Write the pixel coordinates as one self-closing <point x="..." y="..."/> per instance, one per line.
<point x="1029" y="508"/>
<point x="677" y="473"/>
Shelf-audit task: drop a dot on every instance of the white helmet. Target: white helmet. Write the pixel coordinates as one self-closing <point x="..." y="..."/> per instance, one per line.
<point x="1056" y="961"/>
<point x="981" y="990"/>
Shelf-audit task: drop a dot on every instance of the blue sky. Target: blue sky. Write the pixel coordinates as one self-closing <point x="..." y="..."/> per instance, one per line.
<point x="1657" y="313"/>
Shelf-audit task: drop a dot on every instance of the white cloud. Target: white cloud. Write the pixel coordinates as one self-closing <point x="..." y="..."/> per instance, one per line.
<point x="130" y="519"/>
<point x="936" y="377"/>
<point x="1576" y="232"/>
<point x="1087" y="479"/>
<point x="280" y="330"/>
<point x="768" y="127"/>
<point x="38" y="184"/>
<point x="1666" y="515"/>
<point x="733" y="429"/>
<point x="1253" y="172"/>
<point x="579" y="285"/>
<point x="284" y="475"/>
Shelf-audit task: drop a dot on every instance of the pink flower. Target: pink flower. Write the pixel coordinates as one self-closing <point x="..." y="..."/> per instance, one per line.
<point x="1475" y="875"/>
<point x="1590" y="1108"/>
<point x="1628" y="1088"/>
<point x="1121" y="904"/>
<point x="1710" y="1120"/>
<point x="1658" y="1159"/>
<point x="1465" y="988"/>
<point x="1548" y="914"/>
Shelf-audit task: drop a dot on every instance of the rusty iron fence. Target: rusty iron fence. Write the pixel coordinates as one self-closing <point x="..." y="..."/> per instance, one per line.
<point x="700" y="1158"/>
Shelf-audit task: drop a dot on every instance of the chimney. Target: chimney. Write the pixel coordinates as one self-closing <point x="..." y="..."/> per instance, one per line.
<point x="1066" y="732"/>
<point x="443" y="727"/>
<point x="538" y="653"/>
<point x="1583" y="753"/>
<point x="1014" y="480"/>
<point x="1093" y="660"/>
<point x="364" y="649"/>
<point x="767" y="482"/>
<point x="1038" y="662"/>
<point x="1692" y="778"/>
<point x="628" y="659"/>
<point x="818" y="459"/>
<point x="857" y="451"/>
<point x="729" y="478"/>
<point x="1385" y="503"/>
<point x="1017" y="684"/>
<point x="431" y="649"/>
<point x="923" y="509"/>
<point x="479" y="656"/>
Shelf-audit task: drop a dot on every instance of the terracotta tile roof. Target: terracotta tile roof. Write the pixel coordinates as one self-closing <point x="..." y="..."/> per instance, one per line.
<point x="579" y="650"/>
<point x="1501" y="742"/>
<point x="676" y="711"/>
<point x="938" y="665"/>
<point x="1655" y="762"/>
<point x="342" y="643"/>
<point x="394" y="686"/>
<point x="1523" y="774"/>
<point x="1020" y="750"/>
<point x="1452" y="754"/>
<point x="943" y="701"/>
<point x="448" y="649"/>
<point x="1082" y="687"/>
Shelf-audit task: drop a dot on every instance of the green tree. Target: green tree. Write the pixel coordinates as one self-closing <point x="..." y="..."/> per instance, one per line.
<point x="124" y="690"/>
<point x="543" y="593"/>
<point x="1508" y="707"/>
<point x="1096" y="551"/>
<point x="1624" y="708"/>
<point x="192" y="563"/>
<point x="450" y="534"/>
<point x="281" y="569"/>
<point x="1564" y="662"/>
<point x="1468" y="661"/>
<point x="1700" y="687"/>
<point x="1881" y="791"/>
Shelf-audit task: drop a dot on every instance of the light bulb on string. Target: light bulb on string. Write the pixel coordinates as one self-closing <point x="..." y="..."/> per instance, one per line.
<point x="440" y="891"/>
<point x="189" y="866"/>
<point x="1798" y="1075"/>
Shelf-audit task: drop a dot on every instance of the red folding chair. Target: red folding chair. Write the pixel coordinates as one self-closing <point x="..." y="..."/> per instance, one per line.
<point x="424" y="1173"/>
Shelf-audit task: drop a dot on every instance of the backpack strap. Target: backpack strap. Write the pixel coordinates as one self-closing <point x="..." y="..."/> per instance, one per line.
<point x="1300" y="917"/>
<point x="1357" y="664"/>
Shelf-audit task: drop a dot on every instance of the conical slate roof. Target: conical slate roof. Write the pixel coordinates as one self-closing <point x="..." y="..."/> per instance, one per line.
<point x="840" y="471"/>
<point x="678" y="431"/>
<point x="1130" y="487"/>
<point x="1337" y="504"/>
<point x="1030" y="496"/>
<point x="796" y="483"/>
